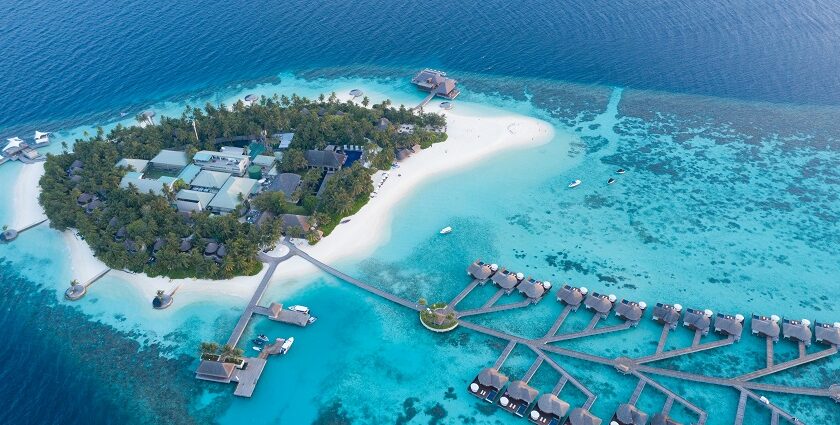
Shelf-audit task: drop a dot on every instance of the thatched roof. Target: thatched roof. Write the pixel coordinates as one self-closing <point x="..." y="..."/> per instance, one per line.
<point x="570" y="295"/>
<point x="697" y="320"/>
<point x="796" y="330"/>
<point x="598" y="302"/>
<point x="666" y="314"/>
<point x="583" y="417"/>
<point x="519" y="390"/>
<point x="505" y="279"/>
<point x="628" y="414"/>
<point x="490" y="377"/>
<point x="550" y="404"/>
<point x="765" y="326"/>
<point x="728" y="325"/>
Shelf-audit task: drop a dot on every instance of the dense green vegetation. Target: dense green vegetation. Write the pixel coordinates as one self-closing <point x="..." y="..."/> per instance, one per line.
<point x="127" y="226"/>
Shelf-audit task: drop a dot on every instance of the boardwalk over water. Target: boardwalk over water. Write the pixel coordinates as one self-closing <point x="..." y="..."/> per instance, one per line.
<point x="637" y="367"/>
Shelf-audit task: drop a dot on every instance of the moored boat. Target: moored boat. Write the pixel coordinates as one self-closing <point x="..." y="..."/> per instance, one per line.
<point x="446" y="230"/>
<point x="287" y="345"/>
<point x="611" y="180"/>
<point x="575" y="183"/>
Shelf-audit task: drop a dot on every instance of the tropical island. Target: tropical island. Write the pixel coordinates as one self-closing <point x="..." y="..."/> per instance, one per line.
<point x="201" y="194"/>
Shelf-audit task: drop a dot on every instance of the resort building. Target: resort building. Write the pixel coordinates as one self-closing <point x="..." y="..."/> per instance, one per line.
<point x="138" y="165"/>
<point x="481" y="270"/>
<point x="660" y="419"/>
<point x="289" y="221"/>
<point x="534" y="289"/>
<point x="286" y="183"/>
<point x="487" y="384"/>
<point x="666" y="314"/>
<point x="231" y="193"/>
<point x="436" y="82"/>
<point x="729" y="325"/>
<point x="630" y="311"/>
<point x="628" y="414"/>
<point x="581" y="416"/>
<point x="230" y="163"/>
<point x="601" y="304"/>
<point x="327" y="160"/>
<point x="188" y="174"/>
<point x="155" y="186"/>
<point x="507" y="280"/>
<point x="697" y="320"/>
<point x="767" y="327"/>
<point x="797" y="330"/>
<point x="209" y="370"/>
<point x="285" y="140"/>
<point x="549" y="410"/>
<point x="209" y="180"/>
<point x="170" y="160"/>
<point x="518" y="398"/>
<point x="192" y="200"/>
<point x="266" y="164"/>
<point x="571" y="296"/>
<point x="233" y="149"/>
<point x="827" y="334"/>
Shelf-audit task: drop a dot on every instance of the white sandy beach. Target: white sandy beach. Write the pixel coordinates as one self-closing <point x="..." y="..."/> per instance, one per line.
<point x="472" y="137"/>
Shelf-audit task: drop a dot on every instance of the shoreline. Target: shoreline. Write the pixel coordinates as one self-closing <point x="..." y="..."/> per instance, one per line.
<point x="472" y="136"/>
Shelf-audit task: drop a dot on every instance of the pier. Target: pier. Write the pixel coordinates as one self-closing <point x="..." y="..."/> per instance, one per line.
<point x="9" y="235"/>
<point x="638" y="367"/>
<point x="78" y="290"/>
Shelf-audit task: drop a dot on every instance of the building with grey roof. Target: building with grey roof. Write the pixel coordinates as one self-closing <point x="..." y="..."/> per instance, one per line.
<point x="132" y="164"/>
<point x="170" y="160"/>
<point x="628" y="414"/>
<point x="729" y="325"/>
<point x="210" y="180"/>
<point x="323" y="186"/>
<point x="209" y="370"/>
<point x="289" y="221"/>
<point x="629" y="311"/>
<point x="828" y="334"/>
<point x="231" y="163"/>
<point x="571" y="296"/>
<point x="797" y="330"/>
<point x="490" y="377"/>
<point x="326" y="160"/>
<point x="518" y="397"/>
<point x="698" y="320"/>
<point x="765" y="326"/>
<point x="667" y="314"/>
<point x="156" y="186"/>
<point x="286" y="183"/>
<point x="581" y="416"/>
<point x="187" y="200"/>
<point x="285" y="140"/>
<point x="234" y="189"/>
<point x="600" y="303"/>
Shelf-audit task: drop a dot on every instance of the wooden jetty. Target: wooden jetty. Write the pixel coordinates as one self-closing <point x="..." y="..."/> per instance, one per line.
<point x="77" y="291"/>
<point x="9" y="235"/>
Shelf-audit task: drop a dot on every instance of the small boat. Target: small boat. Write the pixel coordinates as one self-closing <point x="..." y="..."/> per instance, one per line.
<point x="255" y="348"/>
<point x="258" y="342"/>
<point x="122" y="114"/>
<point x="620" y="171"/>
<point x="446" y="230"/>
<point x="575" y="183"/>
<point x="611" y="180"/>
<point x="300" y="309"/>
<point x="346" y="220"/>
<point x="311" y="320"/>
<point x="262" y="338"/>
<point x="287" y="345"/>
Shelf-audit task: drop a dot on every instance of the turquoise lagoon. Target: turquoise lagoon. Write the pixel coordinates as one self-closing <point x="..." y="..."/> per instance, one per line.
<point x="726" y="205"/>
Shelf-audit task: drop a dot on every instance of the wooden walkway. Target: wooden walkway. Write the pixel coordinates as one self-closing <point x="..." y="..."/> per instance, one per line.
<point x="92" y="280"/>
<point x="789" y="364"/>
<point x="426" y="99"/>
<point x="683" y="351"/>
<point x="373" y="290"/>
<point x="239" y="329"/>
<point x="460" y="297"/>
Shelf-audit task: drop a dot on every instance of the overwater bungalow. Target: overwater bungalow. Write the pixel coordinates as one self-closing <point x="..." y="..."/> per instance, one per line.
<point x="571" y="296"/>
<point x="481" y="270"/>
<point x="431" y="80"/>
<point x="797" y="330"/>
<point x="698" y="320"/>
<point x="162" y="300"/>
<point x="507" y="280"/>
<point x="729" y="325"/>
<point x="601" y="304"/>
<point x="534" y="289"/>
<point x="767" y="327"/>
<point x="580" y="416"/>
<point x="827" y="333"/>
<point x="209" y="370"/>
<point x="487" y="384"/>
<point x="630" y="311"/>
<point x="660" y="419"/>
<point x="518" y="398"/>
<point x="549" y="410"/>
<point x="667" y="315"/>
<point x="628" y="414"/>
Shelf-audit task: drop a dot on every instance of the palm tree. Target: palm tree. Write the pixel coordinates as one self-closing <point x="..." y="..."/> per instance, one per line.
<point x="209" y="347"/>
<point x="74" y="282"/>
<point x="365" y="101"/>
<point x="227" y="351"/>
<point x="422" y="302"/>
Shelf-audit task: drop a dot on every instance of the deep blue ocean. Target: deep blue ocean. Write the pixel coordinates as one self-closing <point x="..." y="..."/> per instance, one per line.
<point x="70" y="63"/>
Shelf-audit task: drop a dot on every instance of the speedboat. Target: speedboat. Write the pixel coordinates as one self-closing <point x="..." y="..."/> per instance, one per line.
<point x="611" y="180"/>
<point x="446" y="230"/>
<point x="311" y="320"/>
<point x="575" y="183"/>
<point x="620" y="171"/>
<point x="255" y="348"/>
<point x="287" y="345"/>
<point x="299" y="309"/>
<point x="258" y="342"/>
<point x="122" y="114"/>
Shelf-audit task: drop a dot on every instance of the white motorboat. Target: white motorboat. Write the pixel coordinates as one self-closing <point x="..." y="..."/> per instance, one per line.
<point x="446" y="230"/>
<point x="300" y="309"/>
<point x="287" y="345"/>
<point x="575" y="183"/>
<point x="255" y="348"/>
<point x="620" y="171"/>
<point x="611" y="181"/>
